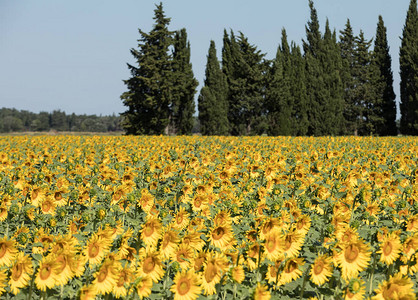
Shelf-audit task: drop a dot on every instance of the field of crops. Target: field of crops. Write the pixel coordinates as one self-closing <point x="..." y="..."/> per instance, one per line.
<point x="208" y="217"/>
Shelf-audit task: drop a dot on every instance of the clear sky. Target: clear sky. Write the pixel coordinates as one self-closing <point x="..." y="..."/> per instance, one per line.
<point x="72" y="55"/>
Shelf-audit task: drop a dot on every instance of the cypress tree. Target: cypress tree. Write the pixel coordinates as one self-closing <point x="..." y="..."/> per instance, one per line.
<point x="385" y="94"/>
<point x="348" y="48"/>
<point x="184" y="89"/>
<point x="408" y="59"/>
<point x="212" y="101"/>
<point x="150" y="88"/>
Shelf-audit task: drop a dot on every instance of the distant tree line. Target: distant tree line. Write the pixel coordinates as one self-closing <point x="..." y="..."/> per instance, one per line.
<point x="13" y="120"/>
<point x="335" y="84"/>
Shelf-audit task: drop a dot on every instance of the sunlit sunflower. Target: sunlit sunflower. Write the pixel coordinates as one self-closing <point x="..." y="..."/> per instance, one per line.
<point x="151" y="232"/>
<point x="37" y="195"/>
<point x="353" y="258"/>
<point x="293" y="242"/>
<point x="273" y="246"/>
<point x="150" y="265"/>
<point x="169" y="243"/>
<point x="272" y="274"/>
<point x="143" y="287"/>
<point x="261" y="292"/>
<point x="321" y="269"/>
<point x="96" y="249"/>
<point x="269" y="226"/>
<point x="88" y="292"/>
<point x="186" y="286"/>
<point x="221" y="235"/>
<point x="78" y="264"/>
<point x="45" y="277"/>
<point x="105" y="277"/>
<point x="397" y="287"/>
<point x="48" y="206"/>
<point x="3" y="281"/>
<point x="193" y="238"/>
<point x="64" y="271"/>
<point x="291" y="270"/>
<point x="238" y="273"/>
<point x="21" y="271"/>
<point x="213" y="269"/>
<point x="146" y="201"/>
<point x="390" y="248"/>
<point x="303" y="224"/>
<point x="8" y="251"/>
<point x="124" y="278"/>
<point x="3" y="212"/>
<point x="356" y="290"/>
<point x="184" y="255"/>
<point x="253" y="256"/>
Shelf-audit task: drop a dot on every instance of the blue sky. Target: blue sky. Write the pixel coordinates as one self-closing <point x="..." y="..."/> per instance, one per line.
<point x="72" y="55"/>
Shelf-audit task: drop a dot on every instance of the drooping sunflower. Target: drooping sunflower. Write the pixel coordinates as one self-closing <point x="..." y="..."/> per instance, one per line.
<point x="150" y="265"/>
<point x="291" y="271"/>
<point x="186" y="286"/>
<point x="356" y="290"/>
<point x="213" y="269"/>
<point x="353" y="258"/>
<point x="151" y="232"/>
<point x="8" y="251"/>
<point x="105" y="277"/>
<point x="261" y="292"/>
<point x="397" y="287"/>
<point x="45" y="277"/>
<point x="390" y="248"/>
<point x="96" y="249"/>
<point x="169" y="243"/>
<point x="21" y="271"/>
<point x="64" y="271"/>
<point x="321" y="269"/>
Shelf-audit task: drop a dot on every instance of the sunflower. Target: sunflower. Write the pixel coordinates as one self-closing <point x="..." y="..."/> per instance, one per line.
<point x="151" y="232"/>
<point x="3" y="281"/>
<point x="169" y="243"/>
<point x="78" y="265"/>
<point x="193" y="238"/>
<point x="105" y="277"/>
<point x="21" y="271"/>
<point x="269" y="226"/>
<point x="253" y="256"/>
<point x="238" y="273"/>
<point x="124" y="277"/>
<point x="150" y="265"/>
<point x="96" y="248"/>
<point x="293" y="242"/>
<point x="221" y="235"/>
<point x="397" y="287"/>
<point x="353" y="258"/>
<point x="45" y="278"/>
<point x="355" y="290"/>
<point x="143" y="287"/>
<point x="213" y="269"/>
<point x="303" y="224"/>
<point x="273" y="246"/>
<point x="272" y="274"/>
<point x="390" y="248"/>
<point x="184" y="255"/>
<point x="261" y="292"/>
<point x="321" y="269"/>
<point x="146" y="201"/>
<point x="291" y="271"/>
<point x="186" y="286"/>
<point x="64" y="271"/>
<point x="3" y="212"/>
<point x="8" y="251"/>
<point x="37" y="195"/>
<point x="48" y="206"/>
<point x="88" y="292"/>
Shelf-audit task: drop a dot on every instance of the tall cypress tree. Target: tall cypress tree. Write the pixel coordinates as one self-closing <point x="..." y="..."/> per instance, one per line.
<point x="348" y="48"/>
<point x="408" y="59"/>
<point x="150" y="88"/>
<point x="212" y="101"/>
<point x="385" y="93"/>
<point x="184" y="88"/>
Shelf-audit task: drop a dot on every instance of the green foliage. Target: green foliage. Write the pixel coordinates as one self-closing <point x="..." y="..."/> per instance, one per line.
<point x="213" y="105"/>
<point x="408" y="60"/>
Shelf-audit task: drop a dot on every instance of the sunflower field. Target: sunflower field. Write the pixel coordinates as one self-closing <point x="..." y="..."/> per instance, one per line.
<point x="208" y="217"/>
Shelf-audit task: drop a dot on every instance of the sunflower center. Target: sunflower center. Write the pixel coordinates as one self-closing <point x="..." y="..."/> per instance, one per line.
<point x="183" y="287"/>
<point x="389" y="291"/>
<point x="102" y="274"/>
<point x="319" y="266"/>
<point x="355" y="287"/>
<point x="118" y="195"/>
<point x="45" y="272"/>
<point x="149" y="265"/>
<point x="271" y="245"/>
<point x="351" y="253"/>
<point x="94" y="250"/>
<point x="179" y="219"/>
<point x="149" y="230"/>
<point x="57" y="196"/>
<point x="3" y="249"/>
<point x="288" y="242"/>
<point x="291" y="266"/>
<point x="46" y="206"/>
<point x="387" y="248"/>
<point x="210" y="272"/>
<point x="218" y="233"/>
<point x="17" y="271"/>
<point x="35" y="194"/>
<point x="181" y="256"/>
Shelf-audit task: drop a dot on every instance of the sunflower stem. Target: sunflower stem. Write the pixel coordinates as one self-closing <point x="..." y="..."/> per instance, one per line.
<point x="371" y="275"/>
<point x="305" y="276"/>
